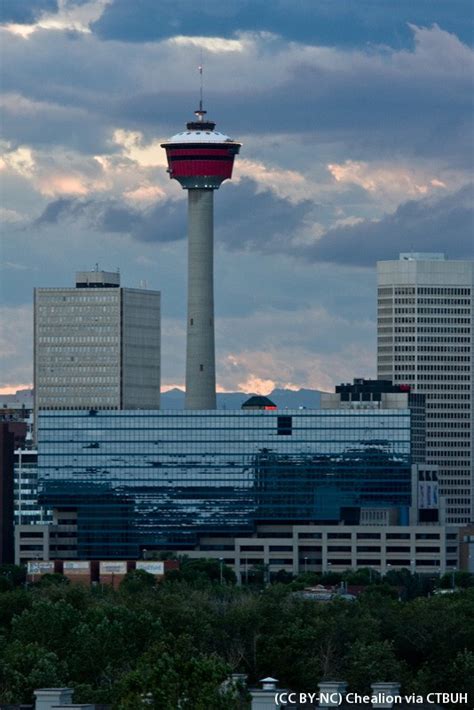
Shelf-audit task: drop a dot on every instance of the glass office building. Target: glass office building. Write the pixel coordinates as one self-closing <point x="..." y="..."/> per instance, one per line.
<point x="161" y="479"/>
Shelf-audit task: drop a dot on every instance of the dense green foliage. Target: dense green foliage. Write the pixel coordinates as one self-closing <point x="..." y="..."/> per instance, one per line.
<point x="173" y="644"/>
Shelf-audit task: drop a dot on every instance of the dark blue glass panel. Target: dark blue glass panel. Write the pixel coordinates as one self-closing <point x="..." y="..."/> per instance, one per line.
<point x="163" y="479"/>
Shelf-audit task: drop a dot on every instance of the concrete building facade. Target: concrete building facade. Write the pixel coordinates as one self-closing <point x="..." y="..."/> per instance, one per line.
<point x="97" y="346"/>
<point x="424" y="549"/>
<point x="425" y="340"/>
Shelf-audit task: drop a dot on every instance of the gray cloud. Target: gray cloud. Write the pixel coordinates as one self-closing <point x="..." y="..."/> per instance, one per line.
<point x="56" y="210"/>
<point x="247" y="220"/>
<point x="352" y="23"/>
<point x="25" y="11"/>
<point x="366" y="104"/>
<point x="163" y="222"/>
<point x="445" y="225"/>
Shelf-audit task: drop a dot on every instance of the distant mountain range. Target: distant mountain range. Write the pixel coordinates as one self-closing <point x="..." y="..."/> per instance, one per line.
<point x="174" y="399"/>
<point x="284" y="399"/>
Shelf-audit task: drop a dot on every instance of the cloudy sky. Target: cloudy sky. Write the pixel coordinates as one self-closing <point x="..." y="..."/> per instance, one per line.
<point x="356" y="120"/>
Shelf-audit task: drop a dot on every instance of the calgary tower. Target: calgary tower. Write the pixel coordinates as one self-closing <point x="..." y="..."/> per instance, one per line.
<point x="200" y="158"/>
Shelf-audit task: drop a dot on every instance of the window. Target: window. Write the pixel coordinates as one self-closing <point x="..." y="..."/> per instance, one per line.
<point x="285" y="426"/>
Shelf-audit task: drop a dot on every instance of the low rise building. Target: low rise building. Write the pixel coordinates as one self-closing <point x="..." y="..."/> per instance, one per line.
<point x="421" y="549"/>
<point x="55" y="540"/>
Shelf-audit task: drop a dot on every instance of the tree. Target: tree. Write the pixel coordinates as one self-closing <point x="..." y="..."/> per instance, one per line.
<point x="203" y="571"/>
<point x="24" y="667"/>
<point x="281" y="577"/>
<point x="458" y="579"/>
<point x="15" y="574"/>
<point x="48" y="624"/>
<point x="372" y="662"/>
<point x="55" y="578"/>
<point x="363" y="576"/>
<point x="13" y="603"/>
<point x="173" y="674"/>
<point x="137" y="581"/>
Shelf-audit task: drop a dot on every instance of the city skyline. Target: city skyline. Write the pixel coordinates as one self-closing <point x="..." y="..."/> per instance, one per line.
<point x="372" y="160"/>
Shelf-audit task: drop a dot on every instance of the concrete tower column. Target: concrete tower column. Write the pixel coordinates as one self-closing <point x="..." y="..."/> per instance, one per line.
<point x="200" y="159"/>
<point x="200" y="347"/>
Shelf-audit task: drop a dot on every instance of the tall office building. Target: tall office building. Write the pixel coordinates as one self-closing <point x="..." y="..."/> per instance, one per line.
<point x="97" y="346"/>
<point x="7" y="446"/>
<point x="425" y="339"/>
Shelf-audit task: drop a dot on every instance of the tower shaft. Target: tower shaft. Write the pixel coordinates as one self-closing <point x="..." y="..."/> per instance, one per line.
<point x="200" y="159"/>
<point x="200" y="346"/>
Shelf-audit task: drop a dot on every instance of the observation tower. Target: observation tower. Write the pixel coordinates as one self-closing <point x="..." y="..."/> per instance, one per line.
<point x="200" y="158"/>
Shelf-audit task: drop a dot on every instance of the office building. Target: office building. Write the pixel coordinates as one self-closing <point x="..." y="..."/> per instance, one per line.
<point x="161" y="480"/>
<point x="7" y="446"/>
<point x="425" y="340"/>
<point x="383" y="394"/>
<point x="97" y="346"/>
<point x="427" y="506"/>
<point x="27" y="510"/>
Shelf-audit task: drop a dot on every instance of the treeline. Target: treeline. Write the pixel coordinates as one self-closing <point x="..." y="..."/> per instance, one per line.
<point x="173" y="644"/>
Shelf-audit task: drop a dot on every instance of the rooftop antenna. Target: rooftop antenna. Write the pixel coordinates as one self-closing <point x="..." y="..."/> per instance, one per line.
<point x="200" y="113"/>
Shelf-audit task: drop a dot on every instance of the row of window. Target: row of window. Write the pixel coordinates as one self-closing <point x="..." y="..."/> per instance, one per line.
<point x="444" y="358"/>
<point x="445" y="311"/>
<point x="422" y="291"/>
<point x="450" y="302"/>
<point x="55" y="296"/>
<point x="105" y="335"/>
<point x="439" y="426"/>
<point x="440" y="320"/>
<point x="435" y="373"/>
<point x="442" y="291"/>
<point x="453" y="329"/>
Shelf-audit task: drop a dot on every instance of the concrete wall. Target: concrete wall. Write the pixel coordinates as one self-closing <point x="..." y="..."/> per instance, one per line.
<point x="140" y="352"/>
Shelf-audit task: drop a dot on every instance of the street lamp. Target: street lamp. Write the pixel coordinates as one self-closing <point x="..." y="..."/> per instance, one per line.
<point x="305" y="565"/>
<point x="144" y="551"/>
<point x="221" y="561"/>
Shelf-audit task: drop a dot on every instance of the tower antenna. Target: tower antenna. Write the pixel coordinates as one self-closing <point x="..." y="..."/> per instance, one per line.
<point x="200" y="113"/>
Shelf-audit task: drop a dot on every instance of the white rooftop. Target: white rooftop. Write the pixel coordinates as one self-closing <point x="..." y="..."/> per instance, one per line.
<point x="422" y="256"/>
<point x="199" y="137"/>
